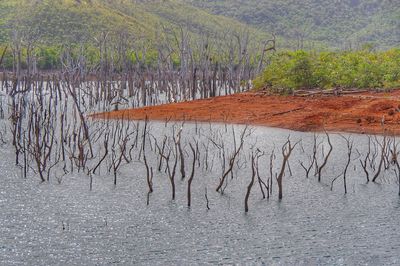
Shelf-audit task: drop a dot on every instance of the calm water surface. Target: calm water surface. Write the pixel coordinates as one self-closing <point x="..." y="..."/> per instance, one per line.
<point x="66" y="224"/>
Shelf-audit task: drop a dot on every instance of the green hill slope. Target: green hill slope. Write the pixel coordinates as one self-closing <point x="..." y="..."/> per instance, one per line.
<point x="66" y="21"/>
<point x="339" y="23"/>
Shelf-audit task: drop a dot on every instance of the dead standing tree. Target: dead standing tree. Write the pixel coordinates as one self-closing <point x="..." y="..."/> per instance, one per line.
<point x="171" y="150"/>
<point x="254" y="171"/>
<point x="149" y="170"/>
<point x="83" y="123"/>
<point x="233" y="158"/>
<point x="349" y="144"/>
<point x="269" y="45"/>
<point x="287" y="149"/>
<point x="272" y="157"/>
<point x="384" y="152"/>
<point x="395" y="153"/>
<point x="261" y="182"/>
<point x="312" y="158"/>
<point x="367" y="160"/>
<point x="41" y="136"/>
<point x="121" y="135"/>
<point x="194" y="149"/>
<point x="325" y="157"/>
<point x="181" y="153"/>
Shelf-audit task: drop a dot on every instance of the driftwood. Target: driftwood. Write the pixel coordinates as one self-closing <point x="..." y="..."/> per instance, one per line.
<point x="288" y="111"/>
<point x="337" y="92"/>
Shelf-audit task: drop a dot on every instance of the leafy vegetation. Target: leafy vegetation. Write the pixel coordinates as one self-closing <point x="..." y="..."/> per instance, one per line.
<point x="340" y="23"/>
<point x="305" y="70"/>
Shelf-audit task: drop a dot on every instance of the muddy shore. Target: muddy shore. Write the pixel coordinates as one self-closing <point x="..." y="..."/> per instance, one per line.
<point x="368" y="112"/>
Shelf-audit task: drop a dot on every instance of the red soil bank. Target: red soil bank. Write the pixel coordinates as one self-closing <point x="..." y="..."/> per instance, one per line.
<point x="360" y="113"/>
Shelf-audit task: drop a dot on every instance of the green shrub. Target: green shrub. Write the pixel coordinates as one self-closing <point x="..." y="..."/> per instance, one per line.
<point x="306" y="70"/>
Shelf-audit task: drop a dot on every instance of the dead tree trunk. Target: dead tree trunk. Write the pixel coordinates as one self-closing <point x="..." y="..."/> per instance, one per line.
<point x="364" y="163"/>
<point x="395" y="155"/>
<point x="287" y="149"/>
<point x="261" y="183"/>
<point x="149" y="170"/>
<point x="383" y="154"/>
<point x="194" y="153"/>
<point x="312" y="158"/>
<point x="349" y="143"/>
<point x="253" y="174"/>
<point x="181" y="155"/>
<point x="233" y="159"/>
<point x="326" y="157"/>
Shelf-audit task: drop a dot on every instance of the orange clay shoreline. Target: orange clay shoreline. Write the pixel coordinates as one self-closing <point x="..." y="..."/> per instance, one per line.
<point x="357" y="113"/>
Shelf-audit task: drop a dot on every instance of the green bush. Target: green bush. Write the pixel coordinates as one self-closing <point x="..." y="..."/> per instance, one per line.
<point x="306" y="70"/>
<point x="48" y="58"/>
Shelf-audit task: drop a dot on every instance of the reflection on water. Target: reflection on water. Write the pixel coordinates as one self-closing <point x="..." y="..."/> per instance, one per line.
<point x="65" y="224"/>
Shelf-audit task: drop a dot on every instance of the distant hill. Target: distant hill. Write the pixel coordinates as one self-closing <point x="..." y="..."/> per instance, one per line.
<point x="66" y="21"/>
<point x="338" y="23"/>
<point x="304" y="24"/>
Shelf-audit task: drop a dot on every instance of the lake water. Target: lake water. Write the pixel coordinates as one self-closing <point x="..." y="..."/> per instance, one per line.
<point x="66" y="224"/>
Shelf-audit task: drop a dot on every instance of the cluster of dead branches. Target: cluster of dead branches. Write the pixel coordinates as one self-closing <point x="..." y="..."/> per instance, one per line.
<point x="52" y="139"/>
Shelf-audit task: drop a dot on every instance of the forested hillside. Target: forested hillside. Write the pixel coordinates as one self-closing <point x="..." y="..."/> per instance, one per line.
<point x="57" y="21"/>
<point x="45" y="28"/>
<point x="339" y="23"/>
<point x="299" y="24"/>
